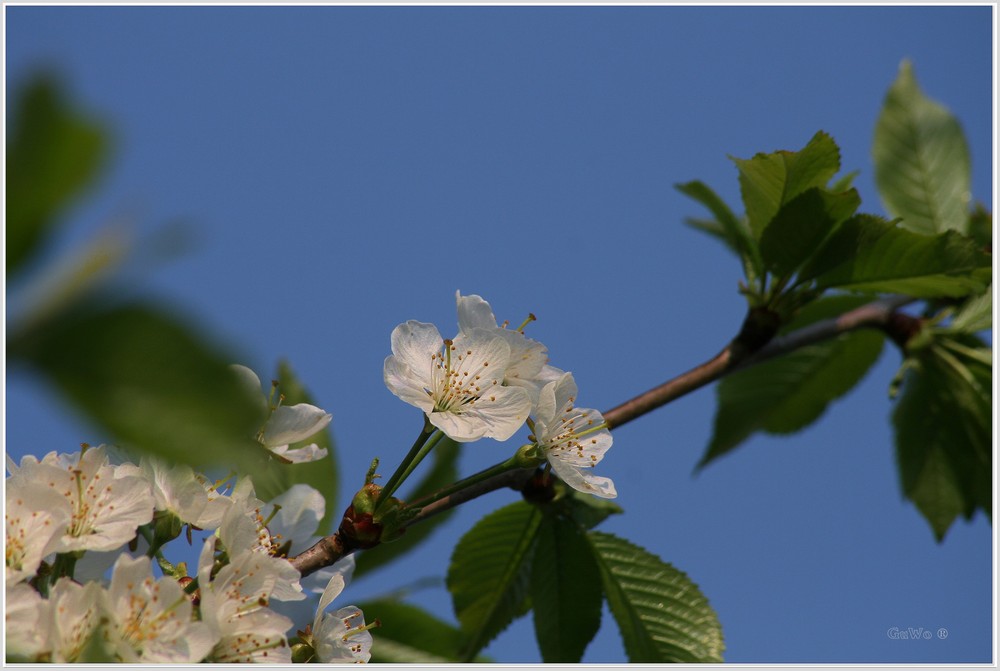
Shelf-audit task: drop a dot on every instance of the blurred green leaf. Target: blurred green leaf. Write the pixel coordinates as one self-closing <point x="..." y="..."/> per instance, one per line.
<point x="922" y="166"/>
<point x="730" y="229"/>
<point x="565" y="590"/>
<point x="981" y="227"/>
<point x="975" y="315"/>
<point x="768" y="181"/>
<point x="662" y="615"/>
<point x="442" y="473"/>
<point x="801" y="224"/>
<point x="54" y="152"/>
<point x="490" y="571"/>
<point x="411" y="635"/>
<point x="788" y="393"/>
<point x="149" y="381"/>
<point x="867" y="253"/>
<point x="943" y="427"/>
<point x="321" y="474"/>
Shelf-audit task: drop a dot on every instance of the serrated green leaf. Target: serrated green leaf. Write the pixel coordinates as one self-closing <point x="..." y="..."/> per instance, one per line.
<point x="411" y="635"/>
<point x="149" y="382"/>
<point x="490" y="571"/>
<point x="565" y="590"/>
<point x="728" y="227"/>
<point x="867" y="253"/>
<point x="321" y="474"/>
<point x="943" y="433"/>
<point x="661" y="613"/>
<point x="800" y="225"/>
<point x="922" y="166"/>
<point x="54" y="153"/>
<point x="443" y="472"/>
<point x="786" y="394"/>
<point x="768" y="181"/>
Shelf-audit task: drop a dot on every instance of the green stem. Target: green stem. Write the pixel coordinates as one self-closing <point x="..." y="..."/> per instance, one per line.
<point x="512" y="463"/>
<point x="409" y="462"/>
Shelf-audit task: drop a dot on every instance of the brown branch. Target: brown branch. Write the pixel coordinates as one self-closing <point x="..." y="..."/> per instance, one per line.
<point x="735" y="356"/>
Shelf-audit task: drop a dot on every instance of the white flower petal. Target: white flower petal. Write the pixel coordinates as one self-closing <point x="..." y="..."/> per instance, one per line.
<point x="474" y="312"/>
<point x="302" y="507"/>
<point x="413" y="343"/>
<point x="407" y="385"/>
<point x="300" y="455"/>
<point x="292" y="423"/>
<point x="584" y="482"/>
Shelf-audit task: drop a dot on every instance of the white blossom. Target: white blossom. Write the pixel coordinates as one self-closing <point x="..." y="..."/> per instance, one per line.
<point x="245" y="529"/>
<point x="234" y="605"/>
<point x="457" y="383"/>
<point x="74" y="618"/>
<point x="528" y="358"/>
<point x="287" y="424"/>
<point x="340" y="637"/>
<point x="26" y="623"/>
<point x="107" y="503"/>
<point x="150" y="620"/>
<point x="191" y="496"/>
<point x="572" y="439"/>
<point x="36" y="519"/>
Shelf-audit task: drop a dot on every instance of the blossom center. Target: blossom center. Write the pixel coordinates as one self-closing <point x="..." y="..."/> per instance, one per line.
<point x="458" y="378"/>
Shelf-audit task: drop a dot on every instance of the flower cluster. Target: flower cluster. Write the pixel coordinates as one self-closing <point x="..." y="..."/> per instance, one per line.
<point x="69" y="516"/>
<point x="489" y="381"/>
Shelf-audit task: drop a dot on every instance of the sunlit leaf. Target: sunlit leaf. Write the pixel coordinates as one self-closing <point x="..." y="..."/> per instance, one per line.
<point x="922" y="166"/>
<point x="490" y="572"/>
<point x="566" y="591"/>
<point x="727" y="226"/>
<point x="662" y="615"/>
<point x="869" y="254"/>
<point x="768" y="181"/>
<point x="801" y="224"/>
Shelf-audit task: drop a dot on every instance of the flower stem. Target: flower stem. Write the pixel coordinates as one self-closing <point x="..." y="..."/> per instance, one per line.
<point x="496" y="469"/>
<point x="420" y="448"/>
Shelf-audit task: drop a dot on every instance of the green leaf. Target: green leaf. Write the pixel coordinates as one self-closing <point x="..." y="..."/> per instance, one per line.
<point x="922" y="166"/>
<point x="768" y="181"/>
<point x="321" y="474"/>
<point x="490" y="571"/>
<point x="801" y="225"/>
<point x="869" y="254"/>
<point x="981" y="227"/>
<point x="443" y="472"/>
<point x="53" y="154"/>
<point x="788" y="393"/>
<point x="944" y="432"/>
<point x="586" y="510"/>
<point x="975" y="315"/>
<point x="662" y="615"/>
<point x="732" y="230"/>
<point x="149" y="381"/>
<point x="411" y="635"/>
<point x="565" y="590"/>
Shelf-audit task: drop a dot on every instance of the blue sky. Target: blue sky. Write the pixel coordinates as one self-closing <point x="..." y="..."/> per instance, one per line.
<point x="344" y="169"/>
